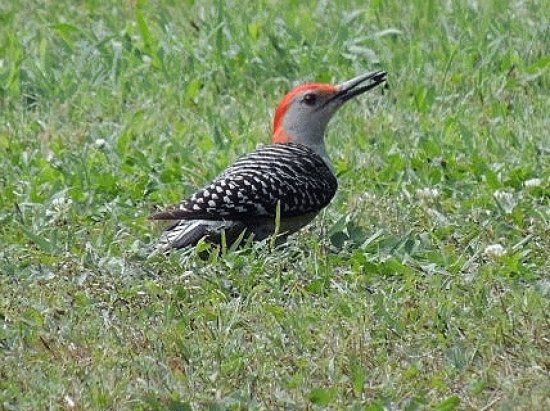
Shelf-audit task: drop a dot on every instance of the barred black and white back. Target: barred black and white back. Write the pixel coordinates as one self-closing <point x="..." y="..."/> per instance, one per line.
<point x="246" y="196"/>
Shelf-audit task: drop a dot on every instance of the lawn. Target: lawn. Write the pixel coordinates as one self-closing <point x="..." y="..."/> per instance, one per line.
<point x="424" y="285"/>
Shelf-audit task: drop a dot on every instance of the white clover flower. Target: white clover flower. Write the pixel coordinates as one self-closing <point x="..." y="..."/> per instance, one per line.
<point x="61" y="202"/>
<point x="59" y="206"/>
<point x="53" y="160"/>
<point x="428" y="193"/>
<point x="533" y="182"/>
<point x="506" y="200"/>
<point x="367" y="196"/>
<point x="70" y="402"/>
<point x="494" y="251"/>
<point x="100" y="143"/>
<point x="438" y="217"/>
<point x="117" y="45"/>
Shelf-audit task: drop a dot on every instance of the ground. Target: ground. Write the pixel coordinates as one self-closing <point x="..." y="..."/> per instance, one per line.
<point x="424" y="285"/>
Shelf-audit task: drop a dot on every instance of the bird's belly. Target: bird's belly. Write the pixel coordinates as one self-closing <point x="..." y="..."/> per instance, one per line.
<point x="287" y="226"/>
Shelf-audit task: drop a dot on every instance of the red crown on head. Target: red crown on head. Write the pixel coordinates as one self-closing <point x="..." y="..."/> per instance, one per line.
<point x="279" y="134"/>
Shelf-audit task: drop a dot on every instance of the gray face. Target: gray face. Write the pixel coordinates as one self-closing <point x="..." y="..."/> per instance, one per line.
<point x="310" y="111"/>
<point x="308" y="116"/>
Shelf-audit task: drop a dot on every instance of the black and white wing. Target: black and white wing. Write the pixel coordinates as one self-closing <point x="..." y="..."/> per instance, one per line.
<point x="291" y="174"/>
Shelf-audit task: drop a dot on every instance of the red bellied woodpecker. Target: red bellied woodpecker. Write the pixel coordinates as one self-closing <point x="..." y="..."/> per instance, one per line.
<point x="292" y="178"/>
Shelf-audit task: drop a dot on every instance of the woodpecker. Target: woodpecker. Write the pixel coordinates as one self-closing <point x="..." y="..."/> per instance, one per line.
<point x="292" y="178"/>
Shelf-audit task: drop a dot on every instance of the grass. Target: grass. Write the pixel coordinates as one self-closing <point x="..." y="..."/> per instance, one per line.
<point x="424" y="285"/>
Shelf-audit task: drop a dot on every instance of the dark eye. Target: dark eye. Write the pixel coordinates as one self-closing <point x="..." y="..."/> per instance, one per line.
<point x="310" y="99"/>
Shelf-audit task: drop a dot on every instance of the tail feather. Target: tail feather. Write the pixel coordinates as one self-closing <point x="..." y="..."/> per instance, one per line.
<point x="187" y="233"/>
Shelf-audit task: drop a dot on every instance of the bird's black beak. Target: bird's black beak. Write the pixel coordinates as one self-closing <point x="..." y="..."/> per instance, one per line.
<point x="358" y="85"/>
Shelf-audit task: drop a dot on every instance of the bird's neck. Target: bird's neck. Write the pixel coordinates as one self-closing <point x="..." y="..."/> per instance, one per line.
<point x="315" y="142"/>
<point x="321" y="151"/>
